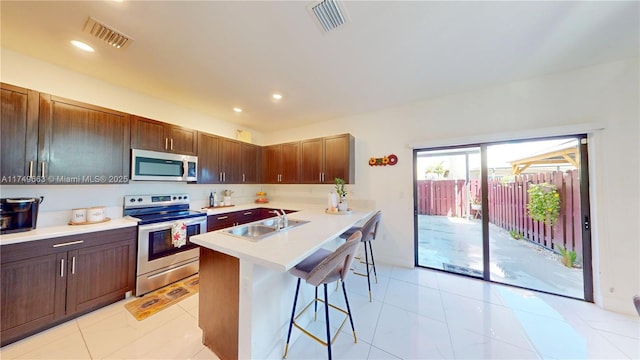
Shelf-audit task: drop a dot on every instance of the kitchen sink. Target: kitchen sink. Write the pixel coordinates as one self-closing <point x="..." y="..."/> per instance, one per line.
<point x="262" y="229"/>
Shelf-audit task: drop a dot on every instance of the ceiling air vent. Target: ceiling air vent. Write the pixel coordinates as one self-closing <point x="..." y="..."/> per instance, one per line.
<point x="106" y="33"/>
<point x="329" y="14"/>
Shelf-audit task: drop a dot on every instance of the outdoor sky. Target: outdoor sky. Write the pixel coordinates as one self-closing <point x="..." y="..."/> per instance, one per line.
<point x="498" y="156"/>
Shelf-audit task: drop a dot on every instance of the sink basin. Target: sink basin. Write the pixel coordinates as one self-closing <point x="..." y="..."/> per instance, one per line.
<point x="260" y="230"/>
<point x="291" y="223"/>
<point x="251" y="230"/>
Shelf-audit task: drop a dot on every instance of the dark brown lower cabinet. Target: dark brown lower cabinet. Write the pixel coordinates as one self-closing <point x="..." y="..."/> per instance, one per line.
<point x="233" y="218"/>
<point x="47" y="282"/>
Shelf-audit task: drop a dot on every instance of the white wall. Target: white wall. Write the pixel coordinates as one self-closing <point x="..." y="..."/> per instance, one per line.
<point x="606" y="94"/>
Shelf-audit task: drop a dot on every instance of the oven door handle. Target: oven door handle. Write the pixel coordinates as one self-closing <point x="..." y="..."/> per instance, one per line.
<point x="167" y="224"/>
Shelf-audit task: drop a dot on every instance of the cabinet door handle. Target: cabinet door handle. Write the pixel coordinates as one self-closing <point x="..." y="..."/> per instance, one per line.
<point x="322" y="177"/>
<point x="31" y="168"/>
<point x="42" y="168"/>
<point x="68" y="243"/>
<point x="73" y="265"/>
<point x="243" y="178"/>
<point x="166" y="143"/>
<point x="171" y="143"/>
<point x="61" y="267"/>
<point x="224" y="176"/>
<point x="222" y="217"/>
<point x="248" y="213"/>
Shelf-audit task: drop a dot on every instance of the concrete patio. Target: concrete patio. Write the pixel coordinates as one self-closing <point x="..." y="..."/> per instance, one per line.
<point x="458" y="242"/>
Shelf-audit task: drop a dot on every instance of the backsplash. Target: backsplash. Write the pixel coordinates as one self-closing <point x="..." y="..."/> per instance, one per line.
<point x="60" y="199"/>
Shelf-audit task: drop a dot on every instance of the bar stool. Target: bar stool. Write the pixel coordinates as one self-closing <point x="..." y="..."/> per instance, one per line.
<point x="369" y="231"/>
<point x="320" y="268"/>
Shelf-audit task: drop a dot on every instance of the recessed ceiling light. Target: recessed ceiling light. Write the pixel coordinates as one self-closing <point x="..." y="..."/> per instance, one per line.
<point x="237" y="109"/>
<point x="276" y="96"/>
<point x="82" y="46"/>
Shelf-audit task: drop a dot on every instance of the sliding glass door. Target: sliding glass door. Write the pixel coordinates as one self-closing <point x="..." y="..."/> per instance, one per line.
<point x="512" y="213"/>
<point x="449" y="220"/>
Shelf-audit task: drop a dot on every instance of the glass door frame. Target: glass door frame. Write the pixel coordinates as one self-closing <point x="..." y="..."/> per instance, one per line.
<point x="587" y="266"/>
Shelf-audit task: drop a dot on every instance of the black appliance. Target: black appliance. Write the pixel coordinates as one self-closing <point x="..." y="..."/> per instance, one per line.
<point x="19" y="214"/>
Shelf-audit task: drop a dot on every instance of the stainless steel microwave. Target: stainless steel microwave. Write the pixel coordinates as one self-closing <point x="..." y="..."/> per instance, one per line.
<point x="161" y="166"/>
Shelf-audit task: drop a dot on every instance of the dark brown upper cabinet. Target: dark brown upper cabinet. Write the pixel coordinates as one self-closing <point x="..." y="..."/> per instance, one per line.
<point x="218" y="160"/>
<point x="82" y="141"/>
<point x="47" y="137"/>
<point x="251" y="160"/>
<point x="324" y="159"/>
<point x="208" y="159"/>
<point x="51" y="140"/>
<point x="155" y="135"/>
<point x="226" y="161"/>
<point x="230" y="160"/>
<point x="19" y="132"/>
<point x="281" y="163"/>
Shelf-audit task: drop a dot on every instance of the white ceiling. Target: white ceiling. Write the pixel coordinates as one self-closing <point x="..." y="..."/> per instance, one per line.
<point x="214" y="55"/>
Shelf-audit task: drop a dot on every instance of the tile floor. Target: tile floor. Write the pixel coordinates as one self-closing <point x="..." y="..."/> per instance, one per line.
<point x="415" y="314"/>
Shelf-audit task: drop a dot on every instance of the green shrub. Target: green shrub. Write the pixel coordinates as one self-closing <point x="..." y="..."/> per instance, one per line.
<point x="568" y="256"/>
<point x="544" y="203"/>
<point x="515" y="234"/>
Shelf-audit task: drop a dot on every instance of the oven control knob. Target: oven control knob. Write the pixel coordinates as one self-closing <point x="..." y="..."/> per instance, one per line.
<point x="132" y="200"/>
<point x="139" y="199"/>
<point x="174" y="198"/>
<point x="185" y="197"/>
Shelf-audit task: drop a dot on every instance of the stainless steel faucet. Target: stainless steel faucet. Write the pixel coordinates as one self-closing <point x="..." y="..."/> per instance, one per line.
<point x="282" y="221"/>
<point x="285" y="221"/>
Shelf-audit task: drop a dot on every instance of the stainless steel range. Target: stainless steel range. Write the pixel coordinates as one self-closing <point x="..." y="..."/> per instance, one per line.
<point x="159" y="261"/>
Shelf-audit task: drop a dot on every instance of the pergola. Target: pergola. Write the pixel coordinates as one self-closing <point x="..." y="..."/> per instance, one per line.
<point x="567" y="155"/>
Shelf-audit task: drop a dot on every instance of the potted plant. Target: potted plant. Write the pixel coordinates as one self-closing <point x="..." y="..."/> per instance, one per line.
<point x="342" y="194"/>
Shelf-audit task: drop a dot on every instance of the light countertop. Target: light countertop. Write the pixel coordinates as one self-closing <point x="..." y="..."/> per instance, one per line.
<point x="283" y="250"/>
<point x="65" y="230"/>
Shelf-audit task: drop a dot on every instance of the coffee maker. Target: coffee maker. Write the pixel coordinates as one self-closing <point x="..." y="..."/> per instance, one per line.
<point x="18" y="214"/>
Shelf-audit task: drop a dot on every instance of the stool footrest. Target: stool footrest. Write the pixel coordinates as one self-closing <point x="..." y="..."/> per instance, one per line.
<point x="334" y="336"/>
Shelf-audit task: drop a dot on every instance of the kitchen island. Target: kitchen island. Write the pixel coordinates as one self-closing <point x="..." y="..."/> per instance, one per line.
<point x="245" y="291"/>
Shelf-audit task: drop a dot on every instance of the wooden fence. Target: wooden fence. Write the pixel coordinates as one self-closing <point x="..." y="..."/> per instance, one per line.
<point x="508" y="206"/>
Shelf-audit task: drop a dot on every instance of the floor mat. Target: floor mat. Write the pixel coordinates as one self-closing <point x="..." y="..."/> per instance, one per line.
<point x="155" y="301"/>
